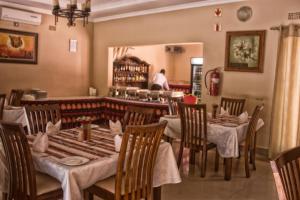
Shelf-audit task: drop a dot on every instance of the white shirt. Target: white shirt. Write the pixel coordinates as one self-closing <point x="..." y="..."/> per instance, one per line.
<point x="161" y="80"/>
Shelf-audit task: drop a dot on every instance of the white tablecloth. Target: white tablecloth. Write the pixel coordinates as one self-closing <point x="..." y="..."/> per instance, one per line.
<point x="16" y="115"/>
<point x="75" y="179"/>
<point x="227" y="139"/>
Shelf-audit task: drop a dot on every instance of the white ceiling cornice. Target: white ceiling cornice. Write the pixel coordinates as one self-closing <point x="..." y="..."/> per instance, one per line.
<point x="166" y="9"/>
<point x="100" y="8"/>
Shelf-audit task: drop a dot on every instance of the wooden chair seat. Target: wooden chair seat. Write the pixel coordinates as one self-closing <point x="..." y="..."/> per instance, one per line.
<point x="45" y="184"/>
<point x="135" y="165"/>
<point x="24" y="182"/>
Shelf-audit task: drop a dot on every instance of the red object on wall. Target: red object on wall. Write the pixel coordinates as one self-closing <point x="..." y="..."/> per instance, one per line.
<point x="215" y="79"/>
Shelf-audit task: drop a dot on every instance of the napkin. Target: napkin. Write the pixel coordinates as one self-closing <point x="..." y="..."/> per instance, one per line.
<point x="40" y="143"/>
<point x="224" y="112"/>
<point x="53" y="128"/>
<point x="118" y="142"/>
<point x="115" y="127"/>
<point x="243" y="118"/>
<point x="260" y="124"/>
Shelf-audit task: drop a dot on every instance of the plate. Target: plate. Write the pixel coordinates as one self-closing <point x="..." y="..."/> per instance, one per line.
<point x="73" y="161"/>
<point x="228" y="124"/>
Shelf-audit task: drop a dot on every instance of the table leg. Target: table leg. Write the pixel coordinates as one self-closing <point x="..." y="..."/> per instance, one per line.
<point x="228" y="166"/>
<point x="157" y="193"/>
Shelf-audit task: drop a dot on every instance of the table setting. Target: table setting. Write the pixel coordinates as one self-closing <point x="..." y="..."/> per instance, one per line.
<point x="226" y="131"/>
<point x="78" y="163"/>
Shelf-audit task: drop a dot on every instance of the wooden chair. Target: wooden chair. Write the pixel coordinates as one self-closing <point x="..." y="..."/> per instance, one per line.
<point x="39" y="115"/>
<point x="173" y="105"/>
<point x="15" y="97"/>
<point x="2" y="102"/>
<point x="250" y="141"/>
<point x="137" y="116"/>
<point x="136" y="161"/>
<point x="233" y="106"/>
<point x="286" y="172"/>
<point x="24" y="182"/>
<point x="194" y="133"/>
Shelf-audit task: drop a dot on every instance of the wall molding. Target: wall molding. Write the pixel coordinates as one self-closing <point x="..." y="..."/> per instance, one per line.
<point x="129" y="14"/>
<point x="166" y="9"/>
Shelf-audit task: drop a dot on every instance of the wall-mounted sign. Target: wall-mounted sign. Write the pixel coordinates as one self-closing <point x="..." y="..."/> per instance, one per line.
<point x="73" y="46"/>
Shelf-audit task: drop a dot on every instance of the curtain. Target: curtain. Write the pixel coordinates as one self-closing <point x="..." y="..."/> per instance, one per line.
<point x="285" y="121"/>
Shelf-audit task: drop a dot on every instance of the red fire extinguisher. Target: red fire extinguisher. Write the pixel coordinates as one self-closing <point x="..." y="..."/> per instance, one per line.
<point x="214" y="82"/>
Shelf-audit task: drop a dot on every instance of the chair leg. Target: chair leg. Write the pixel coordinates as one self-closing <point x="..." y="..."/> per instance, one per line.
<point x="254" y="153"/>
<point x="179" y="159"/>
<point x="203" y="162"/>
<point x="4" y="196"/>
<point x="192" y="156"/>
<point x="87" y="195"/>
<point x="247" y="162"/>
<point x="217" y="161"/>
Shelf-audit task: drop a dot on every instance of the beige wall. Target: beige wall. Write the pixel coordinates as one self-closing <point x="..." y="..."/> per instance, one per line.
<point x="196" y="25"/>
<point x="58" y="71"/>
<point x="182" y="62"/>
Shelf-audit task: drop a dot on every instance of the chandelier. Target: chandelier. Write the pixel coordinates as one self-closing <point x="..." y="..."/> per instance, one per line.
<point x="72" y="12"/>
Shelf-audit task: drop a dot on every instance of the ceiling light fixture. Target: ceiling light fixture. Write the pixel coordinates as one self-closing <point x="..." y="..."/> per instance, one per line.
<point x="71" y="12"/>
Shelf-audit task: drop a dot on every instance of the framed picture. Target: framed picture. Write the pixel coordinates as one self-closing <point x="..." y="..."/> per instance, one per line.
<point x="245" y="51"/>
<point x="18" y="47"/>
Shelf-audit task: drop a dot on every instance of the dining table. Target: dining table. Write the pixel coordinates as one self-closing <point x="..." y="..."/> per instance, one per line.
<point x="16" y="114"/>
<point x="100" y="161"/>
<point x="224" y="131"/>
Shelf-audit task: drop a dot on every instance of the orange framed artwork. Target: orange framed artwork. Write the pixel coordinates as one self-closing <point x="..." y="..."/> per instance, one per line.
<point x="18" y="47"/>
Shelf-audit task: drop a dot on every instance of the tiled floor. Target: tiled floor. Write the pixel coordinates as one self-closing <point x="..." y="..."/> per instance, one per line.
<point x="213" y="187"/>
<point x="260" y="186"/>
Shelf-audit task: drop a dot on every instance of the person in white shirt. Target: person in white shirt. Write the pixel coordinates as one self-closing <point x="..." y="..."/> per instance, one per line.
<point x="159" y="81"/>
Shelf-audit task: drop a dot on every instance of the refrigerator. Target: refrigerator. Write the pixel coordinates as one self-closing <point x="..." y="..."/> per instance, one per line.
<point x="196" y="76"/>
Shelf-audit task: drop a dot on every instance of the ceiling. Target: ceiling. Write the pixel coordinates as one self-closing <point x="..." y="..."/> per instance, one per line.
<point x="103" y="10"/>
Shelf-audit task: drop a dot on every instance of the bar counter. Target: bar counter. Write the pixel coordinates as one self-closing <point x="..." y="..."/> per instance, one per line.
<point x="100" y="109"/>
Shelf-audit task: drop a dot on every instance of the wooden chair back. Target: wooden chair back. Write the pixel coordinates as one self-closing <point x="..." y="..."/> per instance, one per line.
<point x="193" y="125"/>
<point x="136" y="161"/>
<point x="39" y="115"/>
<point x="233" y="106"/>
<point x="15" y="97"/>
<point x="2" y="102"/>
<point x="251" y="131"/>
<point x="137" y="116"/>
<point x="190" y="99"/>
<point x="286" y="171"/>
<point x="22" y="182"/>
<point x="173" y="105"/>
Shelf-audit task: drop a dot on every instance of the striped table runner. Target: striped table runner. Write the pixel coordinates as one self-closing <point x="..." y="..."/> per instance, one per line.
<point x="65" y="144"/>
<point x="226" y="120"/>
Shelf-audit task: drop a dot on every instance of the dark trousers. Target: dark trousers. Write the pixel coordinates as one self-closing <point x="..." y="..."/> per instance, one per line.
<point x="156" y="87"/>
